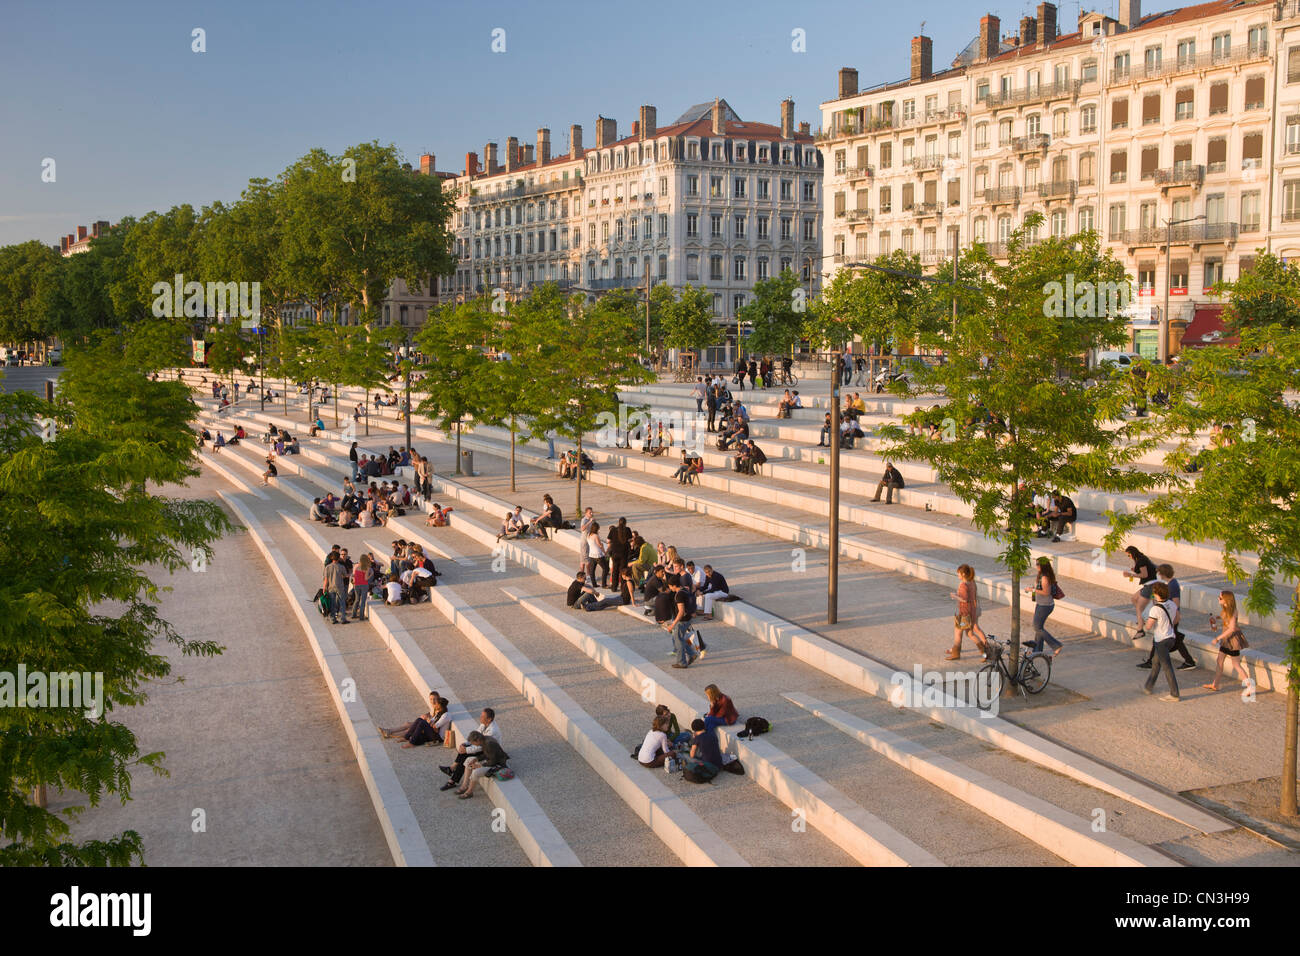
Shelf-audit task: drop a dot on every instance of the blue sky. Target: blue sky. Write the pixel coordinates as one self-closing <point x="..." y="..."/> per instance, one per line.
<point x="135" y="120"/>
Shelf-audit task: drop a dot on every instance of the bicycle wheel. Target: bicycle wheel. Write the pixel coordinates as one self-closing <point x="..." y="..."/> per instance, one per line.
<point x="989" y="682"/>
<point x="1036" y="672"/>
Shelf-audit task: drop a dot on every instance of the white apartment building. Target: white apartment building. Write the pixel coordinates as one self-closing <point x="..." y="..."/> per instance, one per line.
<point x="710" y="200"/>
<point x="1179" y="125"/>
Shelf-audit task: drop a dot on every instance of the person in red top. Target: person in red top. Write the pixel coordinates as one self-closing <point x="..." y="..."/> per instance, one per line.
<point x="966" y="622"/>
<point x="722" y="712"/>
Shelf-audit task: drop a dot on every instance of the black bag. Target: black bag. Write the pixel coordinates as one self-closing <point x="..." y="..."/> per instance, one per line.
<point x="735" y="767"/>
<point x="698" y="771"/>
<point x="755" y="726"/>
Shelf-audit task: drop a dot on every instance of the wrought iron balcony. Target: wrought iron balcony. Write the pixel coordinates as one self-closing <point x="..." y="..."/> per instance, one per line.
<point x="1001" y="195"/>
<point x="1180" y="174"/>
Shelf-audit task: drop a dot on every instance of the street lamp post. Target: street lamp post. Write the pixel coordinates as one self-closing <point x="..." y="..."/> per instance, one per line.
<point x="407" y="410"/>
<point x="833" y="558"/>
<point x="1163" y="345"/>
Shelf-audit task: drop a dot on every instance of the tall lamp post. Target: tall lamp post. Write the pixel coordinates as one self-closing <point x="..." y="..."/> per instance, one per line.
<point x="1163" y="345"/>
<point x="407" y="365"/>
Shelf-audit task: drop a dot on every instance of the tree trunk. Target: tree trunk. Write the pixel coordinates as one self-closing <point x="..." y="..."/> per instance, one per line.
<point x="366" y="406"/>
<point x="40" y="797"/>
<point x="1289" y="751"/>
<point x="335" y="389"/>
<point x="512" y="453"/>
<point x="578" y="482"/>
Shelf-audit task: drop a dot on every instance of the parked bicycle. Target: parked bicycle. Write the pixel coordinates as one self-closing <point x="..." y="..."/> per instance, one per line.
<point x="786" y="379"/>
<point x="1033" y="675"/>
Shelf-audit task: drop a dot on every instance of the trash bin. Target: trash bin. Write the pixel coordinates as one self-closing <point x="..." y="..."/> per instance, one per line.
<point x="467" y="462"/>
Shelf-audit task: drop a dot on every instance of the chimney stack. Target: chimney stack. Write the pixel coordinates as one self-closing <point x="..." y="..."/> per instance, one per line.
<point x="848" y="82"/>
<point x="81" y="233"/>
<point x="719" y="127"/>
<point x="427" y="164"/>
<point x="1047" y="22"/>
<point x="490" y="159"/>
<point x="648" y="122"/>
<point x="543" y="145"/>
<point x="528" y="155"/>
<point x="804" y="129"/>
<point x="606" y="132"/>
<point x="1028" y="31"/>
<point x="990" y="33"/>
<point x="471" y="164"/>
<point x="512" y="153"/>
<point x="787" y="119"/>
<point x="922" y="58"/>
<point x="575" y="142"/>
<point x="1130" y="14"/>
<point x="63" y="244"/>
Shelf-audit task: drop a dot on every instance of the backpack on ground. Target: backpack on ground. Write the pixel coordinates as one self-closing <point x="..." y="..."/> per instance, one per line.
<point x="698" y="771"/>
<point x="755" y="726"/>
<point x="733" y="765"/>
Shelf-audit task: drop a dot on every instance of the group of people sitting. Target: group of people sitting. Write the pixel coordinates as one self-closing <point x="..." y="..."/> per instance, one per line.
<point x="1054" y="514"/>
<point x="850" y="432"/>
<point x="789" y="402"/>
<point x="568" y="465"/>
<point x="377" y="466"/>
<point x="221" y="441"/>
<point x="281" y="442"/>
<point x="481" y="754"/>
<point x="697" y="751"/>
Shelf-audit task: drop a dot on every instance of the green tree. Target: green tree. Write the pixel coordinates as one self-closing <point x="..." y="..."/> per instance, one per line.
<point x="1246" y="490"/>
<point x="688" y="320"/>
<point x="589" y="354"/>
<point x="80" y="527"/>
<point x="776" y="312"/>
<point x="29" y="273"/>
<point x="455" y="342"/>
<point x="1025" y="423"/>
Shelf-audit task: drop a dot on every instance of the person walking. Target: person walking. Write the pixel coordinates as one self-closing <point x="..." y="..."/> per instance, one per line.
<point x="1165" y="573"/>
<point x="697" y="393"/>
<point x="1160" y="619"/>
<point x="967" y="619"/>
<point x="711" y="404"/>
<point x="1144" y="571"/>
<point x="352" y="460"/>
<point x="1045" y="592"/>
<point x="1231" y="641"/>
<point x="336" y="586"/>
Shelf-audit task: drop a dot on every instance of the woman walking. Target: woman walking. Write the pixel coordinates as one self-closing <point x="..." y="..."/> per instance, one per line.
<point x="1044" y="592"/>
<point x="1144" y="572"/>
<point x="1231" y="642"/>
<point x="967" y="619"/>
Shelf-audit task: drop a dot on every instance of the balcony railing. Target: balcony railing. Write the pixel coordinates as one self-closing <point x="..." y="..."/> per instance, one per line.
<point x="923" y="210"/>
<point x="925" y="163"/>
<point x="1062" y="189"/>
<point x="1242" y="53"/>
<point x="1182" y="234"/>
<point x="1181" y="174"/>
<point x="859" y="172"/>
<point x="859" y="215"/>
<point x="1000" y="195"/>
<point x="1036" y="94"/>
<point x="1032" y="143"/>
<point x="1287" y="11"/>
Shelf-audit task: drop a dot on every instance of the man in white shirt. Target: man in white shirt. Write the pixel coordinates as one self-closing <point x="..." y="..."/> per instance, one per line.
<point x="393" y="591"/>
<point x="488" y="727"/>
<point x="1160" y="625"/>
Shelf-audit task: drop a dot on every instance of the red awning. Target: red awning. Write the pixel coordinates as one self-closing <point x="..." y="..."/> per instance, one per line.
<point x="1206" y="328"/>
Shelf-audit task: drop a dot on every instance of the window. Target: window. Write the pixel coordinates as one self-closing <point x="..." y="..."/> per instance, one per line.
<point x="1119" y="166"/>
<point x="1220" y="46"/>
<point x="715" y="225"/>
<point x="1062" y="74"/>
<point x="1218" y="98"/>
<point x="931" y="105"/>
<point x="909" y="197"/>
<point x="1147" y="215"/>
<point x="909" y="152"/>
<point x="692" y="225"/>
<point x="864" y="159"/>
<point x="1292" y="136"/>
<point x="954" y="192"/>
<point x="762" y="268"/>
<point x="1118" y="221"/>
<point x="1216" y="155"/>
<point x="618" y="231"/>
<point x="663" y="268"/>
<point x="715" y="152"/>
<point x="1060" y="123"/>
<point x="786" y="229"/>
<point x="884" y="244"/>
<point x="886" y="199"/>
<point x="909" y="110"/>
<point x="1088" y="119"/>
<point x="1058" y="222"/>
<point x="663" y="226"/>
<point x="1250" y="212"/>
<point x="809" y="230"/>
<point x="1252" y="150"/>
<point x="1151" y="109"/>
<point x="692" y="185"/>
<point x="840" y="164"/>
<point x="1089" y="72"/>
<point x="981" y="230"/>
<point x="738" y="268"/>
<point x="1087" y="222"/>
<point x="1186" y="53"/>
<point x="1004" y="132"/>
<point x="1257" y="40"/>
<point x="1178" y="277"/>
<point x="717" y="303"/>
<point x="809" y="190"/>
<point x="663" y="185"/>
<point x="1004" y="228"/>
<point x="1120" y="70"/>
<point x="907" y="241"/>
<point x="787" y="189"/>
<point x="1151" y="58"/>
<point x="982" y="136"/>
<point x="1213" y="274"/>
<point x="839" y="204"/>
<point x="1184" y="104"/>
<point x="738" y="187"/>
<point x="1216" y="208"/>
<point x="1146" y="278"/>
<point x="1291" y="200"/>
<point x="1087" y="169"/>
<point x="715" y="268"/>
<point x="1293" y="65"/>
<point x="1119" y="114"/>
<point x="1255" y="93"/>
<point x="1150" y="161"/>
<point x="739" y="224"/>
<point x="762" y="154"/>
<point x="982" y="90"/>
<point x="886" y="155"/>
<point x="632" y="229"/>
<point x="1031" y="177"/>
<point x="765" y="189"/>
<point x="715" y="187"/>
<point x="764" y="228"/>
<point x="1033" y="125"/>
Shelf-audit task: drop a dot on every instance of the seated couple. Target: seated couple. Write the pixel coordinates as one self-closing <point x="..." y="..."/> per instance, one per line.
<point x="425" y="729"/>
<point x="586" y="596"/>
